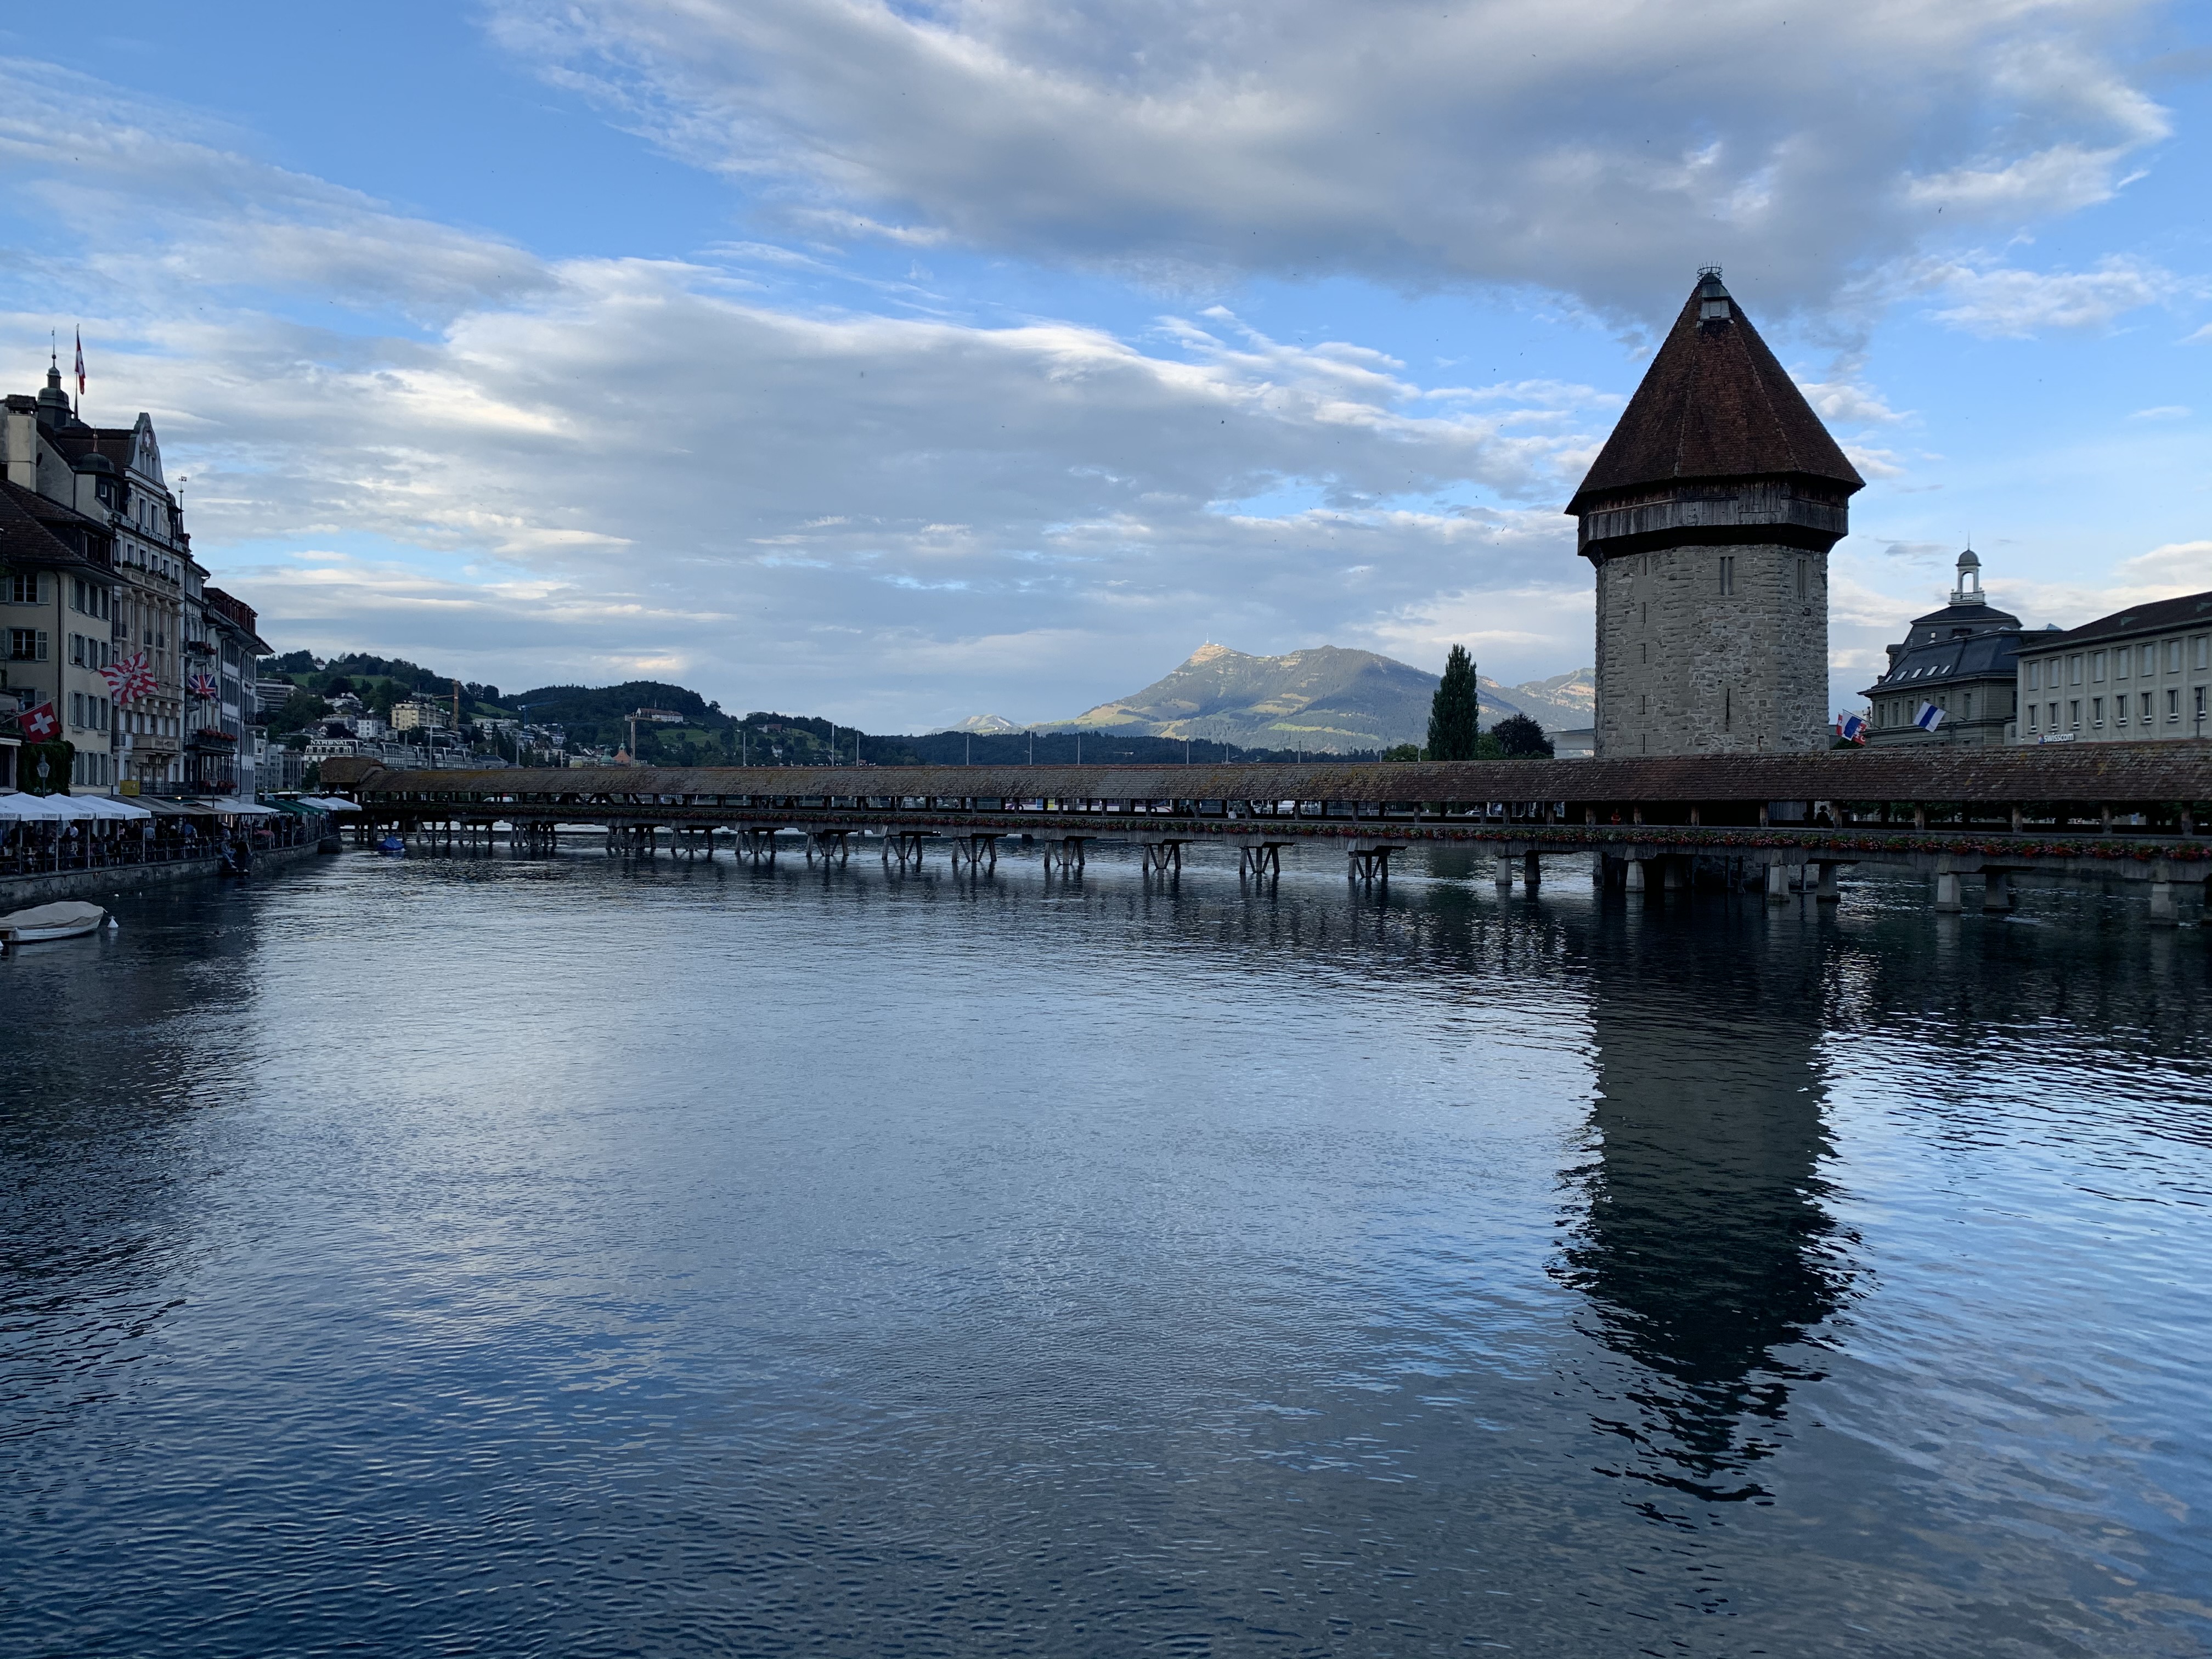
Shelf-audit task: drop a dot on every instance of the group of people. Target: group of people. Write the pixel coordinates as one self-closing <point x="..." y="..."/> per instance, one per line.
<point x="36" y="848"/>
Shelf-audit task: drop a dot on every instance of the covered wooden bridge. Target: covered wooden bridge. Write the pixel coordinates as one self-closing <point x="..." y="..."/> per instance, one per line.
<point x="2133" y="811"/>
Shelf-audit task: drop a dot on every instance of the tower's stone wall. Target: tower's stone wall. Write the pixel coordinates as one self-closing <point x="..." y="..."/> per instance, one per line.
<point x="1699" y="657"/>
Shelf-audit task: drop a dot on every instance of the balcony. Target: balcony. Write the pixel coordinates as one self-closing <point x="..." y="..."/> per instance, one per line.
<point x="207" y="740"/>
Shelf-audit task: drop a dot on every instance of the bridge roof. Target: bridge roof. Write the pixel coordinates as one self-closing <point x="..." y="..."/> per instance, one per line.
<point x="2178" y="770"/>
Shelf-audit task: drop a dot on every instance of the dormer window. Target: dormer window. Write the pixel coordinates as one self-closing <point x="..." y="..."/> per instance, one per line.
<point x="1713" y="310"/>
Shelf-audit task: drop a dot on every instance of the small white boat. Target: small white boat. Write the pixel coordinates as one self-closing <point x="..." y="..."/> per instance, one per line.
<point x="71" y="918"/>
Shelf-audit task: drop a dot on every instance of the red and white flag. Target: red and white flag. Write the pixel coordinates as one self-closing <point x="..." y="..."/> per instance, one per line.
<point x="80" y="362"/>
<point x="128" y="678"/>
<point x="39" y="724"/>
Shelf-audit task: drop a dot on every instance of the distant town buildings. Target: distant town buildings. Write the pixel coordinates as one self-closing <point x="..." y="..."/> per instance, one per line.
<point x="1960" y="662"/>
<point x="100" y="575"/>
<point x="2140" y="674"/>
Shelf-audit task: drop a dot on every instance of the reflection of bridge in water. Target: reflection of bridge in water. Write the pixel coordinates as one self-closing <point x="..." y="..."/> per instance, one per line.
<point x="2133" y="811"/>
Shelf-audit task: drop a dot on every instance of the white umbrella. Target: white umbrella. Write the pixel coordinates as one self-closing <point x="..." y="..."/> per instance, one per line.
<point x="106" y="806"/>
<point x="45" y="809"/>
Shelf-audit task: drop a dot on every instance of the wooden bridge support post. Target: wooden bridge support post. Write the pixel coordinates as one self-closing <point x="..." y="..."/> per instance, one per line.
<point x="1532" y="870"/>
<point x="1674" y="874"/>
<point x="1264" y="858"/>
<point x="1631" y="878"/>
<point x="1997" y="892"/>
<point x="1777" y="882"/>
<point x="1503" y="874"/>
<point x="1828" y="892"/>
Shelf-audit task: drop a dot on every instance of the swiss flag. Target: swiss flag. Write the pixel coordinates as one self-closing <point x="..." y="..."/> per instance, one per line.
<point x="39" y="724"/>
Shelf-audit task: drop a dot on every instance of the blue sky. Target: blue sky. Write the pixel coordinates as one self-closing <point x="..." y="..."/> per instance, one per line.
<point x="901" y="364"/>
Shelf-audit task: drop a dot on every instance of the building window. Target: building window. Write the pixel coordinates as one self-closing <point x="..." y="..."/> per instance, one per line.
<point x="2096" y="668"/>
<point x="2173" y="656"/>
<point x="2030" y="717"/>
<point x="2054" y="717"/>
<point x="23" y="589"/>
<point x="2202" y="646"/>
<point x="2149" y="661"/>
<point x="2173" y="705"/>
<point x="2096" y="711"/>
<point x="1803" y="576"/>
<point x="2146" y="707"/>
<point x="2031" y="681"/>
<point x="76" y="708"/>
<point x="2120" y="659"/>
<point x="2074" y="670"/>
<point x="1728" y="575"/>
<point x="2200" y="709"/>
<point x="27" y="645"/>
<point x="1642" y="703"/>
<point x="2074" y="714"/>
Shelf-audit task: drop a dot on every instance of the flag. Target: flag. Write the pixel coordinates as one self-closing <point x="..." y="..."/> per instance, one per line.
<point x="1851" y="729"/>
<point x="1929" y="718"/>
<point x="128" y="678"/>
<point x="39" y="724"/>
<point x="80" y="362"/>
<point x="202" y="685"/>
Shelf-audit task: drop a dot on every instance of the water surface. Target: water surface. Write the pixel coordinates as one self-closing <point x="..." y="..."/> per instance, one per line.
<point x="571" y="1256"/>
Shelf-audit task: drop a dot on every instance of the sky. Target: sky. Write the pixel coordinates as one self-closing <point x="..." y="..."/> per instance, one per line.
<point x="897" y="363"/>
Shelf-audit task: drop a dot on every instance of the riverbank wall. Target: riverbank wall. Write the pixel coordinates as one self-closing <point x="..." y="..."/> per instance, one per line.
<point x="21" y="892"/>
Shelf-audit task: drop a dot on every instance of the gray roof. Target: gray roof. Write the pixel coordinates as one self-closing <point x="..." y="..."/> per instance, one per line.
<point x="1959" y="644"/>
<point x="2160" y="616"/>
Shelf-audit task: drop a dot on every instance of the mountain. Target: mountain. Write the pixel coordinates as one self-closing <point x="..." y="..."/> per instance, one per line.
<point x="1562" y="703"/>
<point x="1328" y="698"/>
<point x="986" y="725"/>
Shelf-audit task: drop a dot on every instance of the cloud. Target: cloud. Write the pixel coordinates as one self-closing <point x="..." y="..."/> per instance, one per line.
<point x="1579" y="147"/>
<point x="553" y="469"/>
<point x="2000" y="302"/>
<point x="2163" y="412"/>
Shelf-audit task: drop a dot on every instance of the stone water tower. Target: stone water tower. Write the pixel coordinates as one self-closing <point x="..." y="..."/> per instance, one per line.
<point x="1708" y="516"/>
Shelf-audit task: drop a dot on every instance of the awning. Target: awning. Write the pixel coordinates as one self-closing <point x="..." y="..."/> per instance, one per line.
<point x="22" y="808"/>
<point x="106" y="806"/>
<point x="177" y="809"/>
<point x="329" y="804"/>
<point x="231" y="807"/>
<point x="298" y="809"/>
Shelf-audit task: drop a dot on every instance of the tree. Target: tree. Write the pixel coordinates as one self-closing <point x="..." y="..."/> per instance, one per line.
<point x="1454" y="716"/>
<point x="1404" y="751"/>
<point x="1522" y="739"/>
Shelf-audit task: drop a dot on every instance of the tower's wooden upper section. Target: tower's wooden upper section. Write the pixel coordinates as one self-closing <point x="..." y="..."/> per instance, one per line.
<point x="1717" y="445"/>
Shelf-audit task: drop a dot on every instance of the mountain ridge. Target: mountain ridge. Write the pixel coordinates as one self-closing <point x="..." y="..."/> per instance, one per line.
<point x="1328" y="698"/>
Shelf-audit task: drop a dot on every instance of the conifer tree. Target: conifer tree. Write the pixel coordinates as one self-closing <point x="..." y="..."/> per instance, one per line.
<point x="1454" y="716"/>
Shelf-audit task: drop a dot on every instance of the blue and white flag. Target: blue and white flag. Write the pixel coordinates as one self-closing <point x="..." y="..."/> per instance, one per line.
<point x="1929" y="718"/>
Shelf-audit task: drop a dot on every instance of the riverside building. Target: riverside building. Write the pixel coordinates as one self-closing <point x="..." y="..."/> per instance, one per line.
<point x="1708" y="517"/>
<point x="1961" y="661"/>
<point x="2136" y="676"/>
<point x="133" y="586"/>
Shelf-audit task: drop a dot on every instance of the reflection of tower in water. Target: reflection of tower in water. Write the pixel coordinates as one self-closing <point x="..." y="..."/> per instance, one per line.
<point x="1704" y="1249"/>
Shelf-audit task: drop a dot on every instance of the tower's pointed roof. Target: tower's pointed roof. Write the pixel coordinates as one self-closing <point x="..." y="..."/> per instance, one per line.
<point x="1714" y="404"/>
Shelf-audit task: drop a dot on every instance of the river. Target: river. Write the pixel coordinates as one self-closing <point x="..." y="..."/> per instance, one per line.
<point x="570" y="1256"/>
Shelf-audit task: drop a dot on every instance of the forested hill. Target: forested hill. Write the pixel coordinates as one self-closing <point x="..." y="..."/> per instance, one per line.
<point x="598" y="717"/>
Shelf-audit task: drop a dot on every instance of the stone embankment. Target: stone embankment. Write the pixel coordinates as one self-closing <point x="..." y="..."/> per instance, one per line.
<point x="21" y="892"/>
